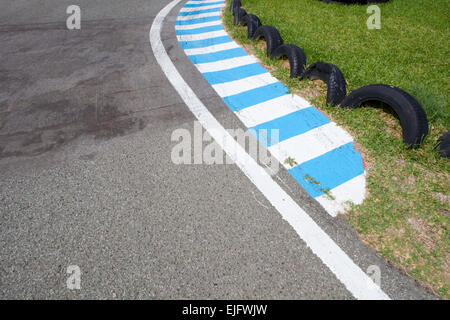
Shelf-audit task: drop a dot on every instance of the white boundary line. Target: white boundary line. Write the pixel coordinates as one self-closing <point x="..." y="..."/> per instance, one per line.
<point x="198" y="25"/>
<point x="213" y="6"/>
<point x="201" y="15"/>
<point x="311" y="144"/>
<point x="226" y="64"/>
<point x="211" y="49"/>
<point x="202" y="36"/>
<point x="271" y="109"/>
<point x="204" y="1"/>
<point x="352" y="277"/>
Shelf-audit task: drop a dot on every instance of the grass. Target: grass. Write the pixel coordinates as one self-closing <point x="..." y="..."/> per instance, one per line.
<point x="405" y="216"/>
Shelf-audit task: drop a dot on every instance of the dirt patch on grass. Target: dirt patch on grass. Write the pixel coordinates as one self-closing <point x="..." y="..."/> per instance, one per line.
<point x="423" y="231"/>
<point x="313" y="90"/>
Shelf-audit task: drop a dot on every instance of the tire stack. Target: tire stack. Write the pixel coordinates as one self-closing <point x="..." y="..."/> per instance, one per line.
<point x="412" y="117"/>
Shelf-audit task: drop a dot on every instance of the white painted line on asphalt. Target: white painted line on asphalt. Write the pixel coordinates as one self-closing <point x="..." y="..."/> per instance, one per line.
<point x="348" y="191"/>
<point x="202" y="2"/>
<point x="201" y="15"/>
<point x="234" y="87"/>
<point x="202" y="36"/>
<point x="211" y="49"/>
<point x="271" y="109"/>
<point x="311" y="144"/>
<point x="198" y="25"/>
<point x="202" y="8"/>
<point x="359" y="284"/>
<point x="226" y="64"/>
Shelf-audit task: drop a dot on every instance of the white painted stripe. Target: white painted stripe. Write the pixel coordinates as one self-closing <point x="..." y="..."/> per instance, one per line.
<point x="359" y="284"/>
<point x="226" y="64"/>
<point x="200" y="15"/>
<point x="201" y="2"/>
<point x="198" y="25"/>
<point x="352" y="190"/>
<point x="234" y="87"/>
<point x="271" y="109"/>
<point x="211" y="49"/>
<point x="310" y="144"/>
<point x="202" y="36"/>
<point x="188" y="9"/>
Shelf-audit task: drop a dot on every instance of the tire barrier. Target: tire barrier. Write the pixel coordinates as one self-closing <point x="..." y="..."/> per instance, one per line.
<point x="443" y="145"/>
<point x="235" y="4"/>
<point x="296" y="57"/>
<point x="252" y="22"/>
<point x="239" y="13"/>
<point x="271" y="36"/>
<point x="413" y="118"/>
<point x="332" y="76"/>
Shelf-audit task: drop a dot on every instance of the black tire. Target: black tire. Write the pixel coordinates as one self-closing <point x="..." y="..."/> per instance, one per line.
<point x="252" y="22"/>
<point x="271" y="36"/>
<point x="296" y="56"/>
<point x="413" y="118"/>
<point x="332" y="76"/>
<point x="234" y="4"/>
<point x="443" y="145"/>
<point x="246" y="19"/>
<point x="239" y="13"/>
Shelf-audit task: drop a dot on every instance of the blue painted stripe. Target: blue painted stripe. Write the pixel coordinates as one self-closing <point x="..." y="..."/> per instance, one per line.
<point x="194" y="5"/>
<point x="330" y="170"/>
<point x="199" y="30"/>
<point x="217" y="56"/>
<point x="193" y="13"/>
<point x="251" y="97"/>
<point x="290" y="125"/>
<point x="204" y="43"/>
<point x="197" y="20"/>
<point x="233" y="74"/>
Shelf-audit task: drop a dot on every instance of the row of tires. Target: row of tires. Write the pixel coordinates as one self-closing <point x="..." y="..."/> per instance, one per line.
<point x="412" y="117"/>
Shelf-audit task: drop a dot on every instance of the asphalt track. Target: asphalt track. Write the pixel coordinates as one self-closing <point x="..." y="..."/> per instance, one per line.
<point x="86" y="119"/>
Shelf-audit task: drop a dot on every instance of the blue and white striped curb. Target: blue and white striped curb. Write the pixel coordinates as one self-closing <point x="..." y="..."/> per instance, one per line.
<point x="324" y="153"/>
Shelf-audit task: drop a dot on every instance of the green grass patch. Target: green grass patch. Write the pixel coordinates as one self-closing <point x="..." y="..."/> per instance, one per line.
<point x="406" y="212"/>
